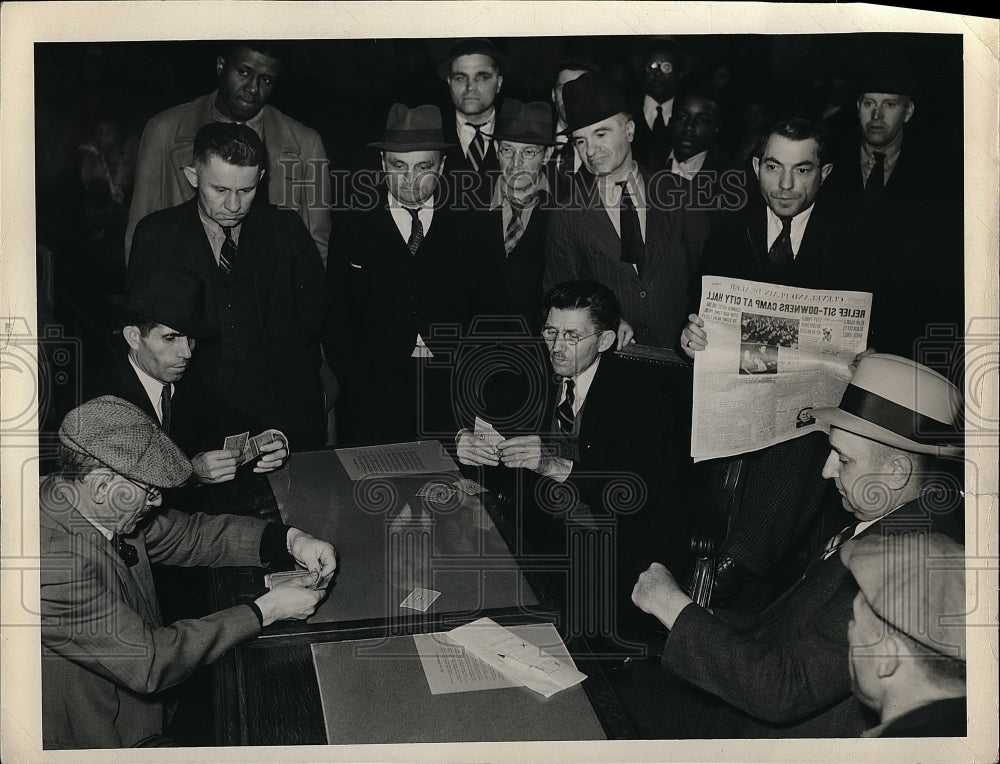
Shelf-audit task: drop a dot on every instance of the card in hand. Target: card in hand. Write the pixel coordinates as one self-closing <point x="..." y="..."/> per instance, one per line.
<point x="300" y="575"/>
<point x="236" y="442"/>
<point x="487" y="433"/>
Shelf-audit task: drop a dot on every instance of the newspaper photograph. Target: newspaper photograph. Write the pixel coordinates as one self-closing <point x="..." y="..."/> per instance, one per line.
<point x="774" y="354"/>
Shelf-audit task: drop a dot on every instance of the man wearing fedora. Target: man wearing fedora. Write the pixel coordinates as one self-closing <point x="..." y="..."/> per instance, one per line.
<point x="163" y="318"/>
<point x="473" y="70"/>
<point x="624" y="227"/>
<point x="106" y="652"/>
<point x="297" y="176"/>
<point x="521" y="202"/>
<point x="408" y="263"/>
<point x="263" y="282"/>
<point x="783" y="672"/>
<point x="907" y="634"/>
<point x="566" y="158"/>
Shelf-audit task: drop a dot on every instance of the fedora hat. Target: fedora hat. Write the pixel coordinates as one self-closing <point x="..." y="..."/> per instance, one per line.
<point x="900" y="403"/>
<point x="591" y="98"/>
<point x="416" y="129"/>
<point x="170" y="296"/>
<point x="469" y="47"/>
<point x="525" y="123"/>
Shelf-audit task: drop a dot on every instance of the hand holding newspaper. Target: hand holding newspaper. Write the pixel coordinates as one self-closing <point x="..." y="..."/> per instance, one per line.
<point x="774" y="354"/>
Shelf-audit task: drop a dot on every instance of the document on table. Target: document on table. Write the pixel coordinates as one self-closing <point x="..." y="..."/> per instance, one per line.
<point x="491" y="656"/>
<point x="396" y="459"/>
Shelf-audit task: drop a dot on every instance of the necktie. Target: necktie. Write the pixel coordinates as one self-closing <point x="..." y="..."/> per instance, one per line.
<point x="128" y="553"/>
<point x="780" y="252"/>
<point x="227" y="255"/>
<point x="477" y="149"/>
<point x="165" y="410"/>
<point x="564" y="413"/>
<point x="514" y="229"/>
<point x="633" y="247"/>
<point x="659" y="126"/>
<point x="416" y="231"/>
<point x="876" y="179"/>
<point x="839" y="540"/>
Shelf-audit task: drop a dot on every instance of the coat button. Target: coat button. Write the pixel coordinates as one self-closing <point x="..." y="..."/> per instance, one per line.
<point x="642" y="293"/>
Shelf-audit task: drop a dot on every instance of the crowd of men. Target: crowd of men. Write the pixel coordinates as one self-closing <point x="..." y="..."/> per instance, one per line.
<point x="553" y="233"/>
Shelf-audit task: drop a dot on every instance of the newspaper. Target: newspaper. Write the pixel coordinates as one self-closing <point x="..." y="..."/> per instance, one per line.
<point x="774" y="354"/>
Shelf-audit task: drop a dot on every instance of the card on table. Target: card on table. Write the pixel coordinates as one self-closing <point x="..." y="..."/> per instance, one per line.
<point x="420" y="599"/>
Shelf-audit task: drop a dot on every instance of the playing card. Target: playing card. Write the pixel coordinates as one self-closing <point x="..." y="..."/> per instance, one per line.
<point x="486" y="433"/>
<point x="469" y="486"/>
<point x="236" y="442"/>
<point x="420" y="599"/>
<point x="439" y="493"/>
<point x="300" y="575"/>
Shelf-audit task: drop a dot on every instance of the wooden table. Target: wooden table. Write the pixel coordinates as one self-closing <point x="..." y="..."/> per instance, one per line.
<point x="389" y="541"/>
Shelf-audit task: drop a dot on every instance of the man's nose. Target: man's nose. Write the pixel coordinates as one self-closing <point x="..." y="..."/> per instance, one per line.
<point x="232" y="202"/>
<point x="253" y="85"/>
<point x="184" y="348"/>
<point x="830" y="466"/>
<point x="787" y="180"/>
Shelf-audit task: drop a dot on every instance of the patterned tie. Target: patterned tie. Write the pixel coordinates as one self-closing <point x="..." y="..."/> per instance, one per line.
<point x="128" y="553"/>
<point x="780" y="252"/>
<point x="876" y="179"/>
<point x="633" y="247"/>
<point x="564" y="413"/>
<point x="227" y="255"/>
<point x="416" y="231"/>
<point x="165" y="410"/>
<point x="514" y="229"/>
<point x="839" y="540"/>
<point x="477" y="148"/>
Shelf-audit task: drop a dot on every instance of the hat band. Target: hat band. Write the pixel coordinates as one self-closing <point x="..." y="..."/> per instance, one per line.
<point x="413" y="136"/>
<point x="888" y="415"/>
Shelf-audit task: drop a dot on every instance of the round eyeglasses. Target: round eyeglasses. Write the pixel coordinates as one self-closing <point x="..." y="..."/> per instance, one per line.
<point x="528" y="152"/>
<point x="551" y="334"/>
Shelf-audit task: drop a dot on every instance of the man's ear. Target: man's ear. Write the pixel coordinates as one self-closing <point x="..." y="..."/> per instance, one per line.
<point x="899" y="469"/>
<point x="192" y="175"/>
<point x="630" y="130"/>
<point x="99" y="484"/>
<point x="888" y="659"/>
<point x="910" y="108"/>
<point x="756" y="165"/>
<point x="548" y="154"/>
<point x="607" y="340"/>
<point x="220" y="64"/>
<point x="132" y="336"/>
<point x="499" y="82"/>
<point x="824" y="171"/>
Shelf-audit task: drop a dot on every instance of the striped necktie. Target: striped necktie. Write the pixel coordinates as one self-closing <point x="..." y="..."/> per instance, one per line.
<point x="564" y="413"/>
<point x="477" y="148"/>
<point x="416" y="230"/>
<point x="514" y="229"/>
<point x="227" y="255"/>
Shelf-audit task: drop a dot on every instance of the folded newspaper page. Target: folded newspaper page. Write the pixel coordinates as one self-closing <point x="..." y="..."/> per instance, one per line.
<point x="774" y="354"/>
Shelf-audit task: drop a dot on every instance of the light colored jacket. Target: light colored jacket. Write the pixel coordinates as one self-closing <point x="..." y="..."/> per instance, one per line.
<point x="298" y="171"/>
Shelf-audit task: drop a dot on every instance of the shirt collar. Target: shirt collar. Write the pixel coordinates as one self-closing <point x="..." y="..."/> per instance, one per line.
<point x="891" y="151"/>
<point x="152" y="386"/>
<point x="583" y="381"/>
<point x="649" y="105"/>
<point x="486" y="125"/>
<point x="394" y="203"/>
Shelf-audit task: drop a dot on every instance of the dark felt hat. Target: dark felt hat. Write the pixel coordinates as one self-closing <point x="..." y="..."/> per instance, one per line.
<point x="889" y="79"/>
<point x="591" y="98"/>
<point x="416" y="129"/>
<point x="525" y="123"/>
<point x="125" y="439"/>
<point x="170" y="296"/>
<point x="469" y="47"/>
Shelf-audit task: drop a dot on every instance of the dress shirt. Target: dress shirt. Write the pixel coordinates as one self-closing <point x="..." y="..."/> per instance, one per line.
<point x="256" y="122"/>
<point x="404" y="223"/>
<point x="798" y="228"/>
<point x="216" y="236"/>
<point x="152" y="386"/>
<point x="689" y="167"/>
<point x="891" y="157"/>
<point x="611" y="196"/>
<point x="649" y="105"/>
<point x="466" y="133"/>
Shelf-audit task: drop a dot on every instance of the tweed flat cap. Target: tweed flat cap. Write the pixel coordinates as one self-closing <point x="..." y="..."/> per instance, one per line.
<point x="919" y="588"/>
<point x="123" y="438"/>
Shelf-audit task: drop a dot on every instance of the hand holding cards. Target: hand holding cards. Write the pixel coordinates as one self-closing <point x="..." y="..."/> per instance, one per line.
<point x="270" y="447"/>
<point x="299" y="577"/>
<point x="479" y="446"/>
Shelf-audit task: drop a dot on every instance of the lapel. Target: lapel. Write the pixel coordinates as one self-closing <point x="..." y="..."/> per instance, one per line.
<point x="134" y="390"/>
<point x="756" y="237"/>
<point x="658" y="231"/>
<point x="257" y="242"/>
<point x="201" y="258"/>
<point x="595" y="217"/>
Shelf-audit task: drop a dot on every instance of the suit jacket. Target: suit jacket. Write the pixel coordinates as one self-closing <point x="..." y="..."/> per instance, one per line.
<point x="583" y="244"/>
<point x="785" y="669"/>
<point x="297" y="171"/>
<point x="720" y="186"/>
<point x="383" y="297"/>
<point x="647" y="151"/>
<point x="105" y="651"/>
<point x="465" y="187"/>
<point x="291" y="305"/>
<point x="940" y="718"/>
<point x="525" y="264"/>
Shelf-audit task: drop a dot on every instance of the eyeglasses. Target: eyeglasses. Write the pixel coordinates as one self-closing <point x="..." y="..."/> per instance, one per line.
<point x="528" y="152"/>
<point x="664" y="66"/>
<point x="551" y="334"/>
<point x="152" y="492"/>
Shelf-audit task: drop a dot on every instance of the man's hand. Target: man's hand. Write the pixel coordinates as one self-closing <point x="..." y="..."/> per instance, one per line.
<point x="472" y="450"/>
<point x="625" y="334"/>
<point x="215" y="466"/>
<point x="273" y="454"/>
<point x="527" y="452"/>
<point x="694" y="337"/>
<point x="312" y="553"/>
<point x="657" y="593"/>
<point x="857" y="359"/>
<point x="289" y="600"/>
